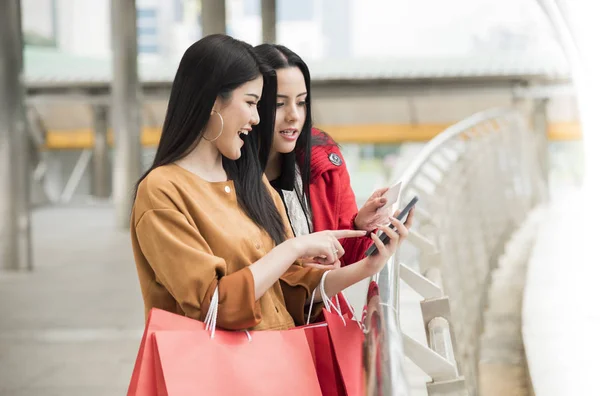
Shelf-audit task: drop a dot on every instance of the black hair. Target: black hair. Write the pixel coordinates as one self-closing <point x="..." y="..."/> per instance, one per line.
<point x="281" y="57"/>
<point x="214" y="67"/>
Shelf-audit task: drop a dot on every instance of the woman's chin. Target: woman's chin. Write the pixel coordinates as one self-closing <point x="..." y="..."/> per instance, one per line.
<point x="233" y="155"/>
<point x="286" y="148"/>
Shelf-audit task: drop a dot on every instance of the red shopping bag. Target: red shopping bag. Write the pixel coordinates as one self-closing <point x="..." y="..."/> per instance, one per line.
<point x="371" y="292"/>
<point x="143" y="379"/>
<point x="270" y="363"/>
<point x="328" y="372"/>
<point x="343" y="304"/>
<point x="347" y="338"/>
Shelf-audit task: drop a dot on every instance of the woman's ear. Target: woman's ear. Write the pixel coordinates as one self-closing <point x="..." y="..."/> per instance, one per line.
<point x="217" y="105"/>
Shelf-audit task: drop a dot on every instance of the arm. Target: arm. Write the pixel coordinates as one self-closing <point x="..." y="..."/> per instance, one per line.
<point x="184" y="265"/>
<point x="272" y="266"/>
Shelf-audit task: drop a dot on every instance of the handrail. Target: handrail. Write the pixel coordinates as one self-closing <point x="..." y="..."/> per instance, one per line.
<point x="476" y="181"/>
<point x="451" y="132"/>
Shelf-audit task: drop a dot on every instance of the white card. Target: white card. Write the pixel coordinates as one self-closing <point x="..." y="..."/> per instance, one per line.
<point x="392" y="195"/>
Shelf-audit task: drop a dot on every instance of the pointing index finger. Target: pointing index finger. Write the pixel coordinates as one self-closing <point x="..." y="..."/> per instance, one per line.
<point x="340" y="234"/>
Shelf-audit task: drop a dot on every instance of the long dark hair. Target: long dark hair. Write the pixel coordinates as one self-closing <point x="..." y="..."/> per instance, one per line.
<point x="281" y="57"/>
<point x="215" y="66"/>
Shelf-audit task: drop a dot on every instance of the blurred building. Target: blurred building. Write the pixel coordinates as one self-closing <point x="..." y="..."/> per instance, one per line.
<point x="380" y="68"/>
<point x="316" y="29"/>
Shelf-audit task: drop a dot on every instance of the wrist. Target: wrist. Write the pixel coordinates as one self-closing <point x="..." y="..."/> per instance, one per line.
<point x="293" y="245"/>
<point x="365" y="268"/>
<point x="342" y="278"/>
<point x="357" y="223"/>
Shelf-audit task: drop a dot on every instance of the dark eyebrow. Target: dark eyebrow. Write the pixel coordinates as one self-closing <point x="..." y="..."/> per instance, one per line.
<point x="286" y="97"/>
<point x="253" y="95"/>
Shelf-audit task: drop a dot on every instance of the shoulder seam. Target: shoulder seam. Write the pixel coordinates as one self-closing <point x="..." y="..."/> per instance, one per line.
<point x="158" y="210"/>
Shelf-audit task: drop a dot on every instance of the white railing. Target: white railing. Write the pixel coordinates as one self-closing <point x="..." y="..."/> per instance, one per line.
<point x="476" y="181"/>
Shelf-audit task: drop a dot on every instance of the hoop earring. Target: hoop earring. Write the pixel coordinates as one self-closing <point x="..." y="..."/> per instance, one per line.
<point x="222" y="126"/>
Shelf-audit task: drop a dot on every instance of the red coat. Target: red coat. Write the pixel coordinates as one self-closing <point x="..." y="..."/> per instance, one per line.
<point x="332" y="199"/>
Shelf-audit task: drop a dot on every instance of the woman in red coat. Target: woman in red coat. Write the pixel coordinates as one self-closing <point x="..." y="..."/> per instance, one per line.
<point x="306" y="166"/>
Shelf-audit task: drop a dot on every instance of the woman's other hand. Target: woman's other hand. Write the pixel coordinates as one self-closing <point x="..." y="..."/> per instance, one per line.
<point x="373" y="215"/>
<point x="376" y="261"/>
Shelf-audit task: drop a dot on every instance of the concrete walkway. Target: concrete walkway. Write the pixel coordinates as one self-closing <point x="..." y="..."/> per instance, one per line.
<point x="73" y="326"/>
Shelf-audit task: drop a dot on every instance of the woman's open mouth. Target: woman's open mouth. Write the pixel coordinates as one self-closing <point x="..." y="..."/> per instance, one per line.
<point x="289" y="134"/>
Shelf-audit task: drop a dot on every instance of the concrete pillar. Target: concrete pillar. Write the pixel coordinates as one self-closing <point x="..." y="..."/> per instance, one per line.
<point x="268" y="13"/>
<point x="100" y="157"/>
<point x="125" y="107"/>
<point x="15" y="174"/>
<point x="214" y="17"/>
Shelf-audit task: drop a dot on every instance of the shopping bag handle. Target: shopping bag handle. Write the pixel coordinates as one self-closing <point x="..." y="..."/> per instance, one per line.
<point x="211" y="316"/>
<point x="328" y="303"/>
<point x="351" y="308"/>
<point x="312" y="298"/>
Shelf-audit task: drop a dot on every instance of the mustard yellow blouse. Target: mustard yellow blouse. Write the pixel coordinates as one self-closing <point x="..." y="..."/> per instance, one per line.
<point x="189" y="234"/>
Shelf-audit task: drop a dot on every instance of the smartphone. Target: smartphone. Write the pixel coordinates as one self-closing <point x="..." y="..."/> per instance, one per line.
<point x="384" y="238"/>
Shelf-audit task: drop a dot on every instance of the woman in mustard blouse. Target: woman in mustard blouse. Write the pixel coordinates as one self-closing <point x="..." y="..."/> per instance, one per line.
<point x="204" y="214"/>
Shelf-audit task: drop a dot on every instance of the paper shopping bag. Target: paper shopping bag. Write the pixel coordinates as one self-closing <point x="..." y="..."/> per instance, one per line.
<point x="143" y="379"/>
<point x="269" y="363"/>
<point x="347" y="338"/>
<point x="328" y="372"/>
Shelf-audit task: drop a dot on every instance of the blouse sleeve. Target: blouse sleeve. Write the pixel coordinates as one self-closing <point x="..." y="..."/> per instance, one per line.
<point x="185" y="266"/>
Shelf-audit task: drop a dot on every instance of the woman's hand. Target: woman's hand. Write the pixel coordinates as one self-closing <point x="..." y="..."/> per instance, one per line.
<point x="344" y="277"/>
<point x="375" y="262"/>
<point x="322" y="247"/>
<point x="371" y="215"/>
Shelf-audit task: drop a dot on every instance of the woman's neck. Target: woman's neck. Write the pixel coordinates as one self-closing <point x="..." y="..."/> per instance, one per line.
<point x="274" y="164"/>
<point x="205" y="161"/>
